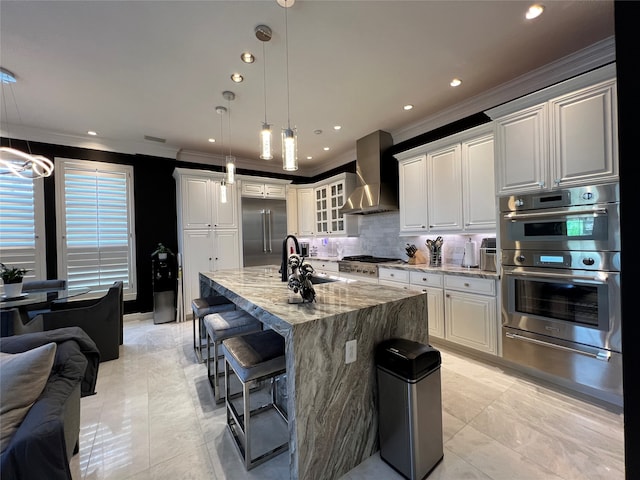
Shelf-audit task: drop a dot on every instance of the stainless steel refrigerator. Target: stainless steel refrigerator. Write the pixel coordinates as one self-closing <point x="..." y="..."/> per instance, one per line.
<point x="264" y="228"/>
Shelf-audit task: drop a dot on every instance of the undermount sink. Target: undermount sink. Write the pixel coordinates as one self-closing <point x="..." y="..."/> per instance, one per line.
<point x="318" y="280"/>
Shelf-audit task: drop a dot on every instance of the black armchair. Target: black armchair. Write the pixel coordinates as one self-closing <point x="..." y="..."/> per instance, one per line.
<point x="100" y="318"/>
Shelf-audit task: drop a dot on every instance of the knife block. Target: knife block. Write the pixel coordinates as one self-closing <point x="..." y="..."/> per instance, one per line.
<point x="418" y="258"/>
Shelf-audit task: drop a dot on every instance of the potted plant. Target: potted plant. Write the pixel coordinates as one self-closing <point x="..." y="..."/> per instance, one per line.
<point x="161" y="252"/>
<point x="12" y="279"/>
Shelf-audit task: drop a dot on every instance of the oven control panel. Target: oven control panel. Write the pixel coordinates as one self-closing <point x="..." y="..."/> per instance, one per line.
<point x="577" y="260"/>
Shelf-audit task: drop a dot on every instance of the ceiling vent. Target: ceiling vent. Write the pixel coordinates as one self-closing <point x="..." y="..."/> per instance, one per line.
<point x="155" y="139"/>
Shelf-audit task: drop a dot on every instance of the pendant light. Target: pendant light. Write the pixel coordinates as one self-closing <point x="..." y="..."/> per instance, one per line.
<point x="264" y="34"/>
<point x="289" y="135"/>
<point x="12" y="160"/>
<point x="231" y="160"/>
<point x="223" y="185"/>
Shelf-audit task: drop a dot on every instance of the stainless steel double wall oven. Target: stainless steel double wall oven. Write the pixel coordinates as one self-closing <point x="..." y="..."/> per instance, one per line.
<point x="561" y="284"/>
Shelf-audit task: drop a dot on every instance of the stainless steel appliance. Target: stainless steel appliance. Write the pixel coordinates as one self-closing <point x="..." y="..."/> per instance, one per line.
<point x="363" y="266"/>
<point x="488" y="254"/>
<point x="264" y="225"/>
<point x="561" y="284"/>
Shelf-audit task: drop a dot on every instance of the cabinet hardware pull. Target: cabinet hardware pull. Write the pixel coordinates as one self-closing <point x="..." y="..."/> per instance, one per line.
<point x="466" y="284"/>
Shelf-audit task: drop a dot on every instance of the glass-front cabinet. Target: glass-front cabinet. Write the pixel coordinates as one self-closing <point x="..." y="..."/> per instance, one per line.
<point x="329" y="199"/>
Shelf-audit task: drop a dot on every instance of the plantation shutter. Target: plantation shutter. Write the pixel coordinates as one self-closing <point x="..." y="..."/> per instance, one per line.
<point x="96" y="225"/>
<point x="22" y="239"/>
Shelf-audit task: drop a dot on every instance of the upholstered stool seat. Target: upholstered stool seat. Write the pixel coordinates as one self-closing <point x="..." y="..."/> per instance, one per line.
<point x="202" y="307"/>
<point x="218" y="327"/>
<point x="253" y="357"/>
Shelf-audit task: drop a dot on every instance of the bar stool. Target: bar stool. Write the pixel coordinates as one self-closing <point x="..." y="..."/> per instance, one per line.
<point x="254" y="357"/>
<point x="202" y="307"/>
<point x="220" y="326"/>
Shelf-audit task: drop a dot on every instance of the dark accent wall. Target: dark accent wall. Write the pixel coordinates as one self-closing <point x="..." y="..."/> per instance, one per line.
<point x="626" y="15"/>
<point x="154" y="208"/>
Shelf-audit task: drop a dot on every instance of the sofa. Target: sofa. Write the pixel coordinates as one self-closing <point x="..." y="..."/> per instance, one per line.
<point x="47" y="437"/>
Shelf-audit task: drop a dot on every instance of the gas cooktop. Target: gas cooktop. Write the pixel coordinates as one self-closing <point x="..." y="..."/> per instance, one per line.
<point x="369" y="259"/>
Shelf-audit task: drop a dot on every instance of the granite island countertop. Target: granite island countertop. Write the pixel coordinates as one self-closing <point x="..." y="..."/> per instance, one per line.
<point x="331" y="405"/>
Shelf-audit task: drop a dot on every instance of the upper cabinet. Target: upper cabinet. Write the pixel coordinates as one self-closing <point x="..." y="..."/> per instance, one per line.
<point x="318" y="205"/>
<point x="263" y="190"/>
<point x="201" y="207"/>
<point x="562" y="136"/>
<point x="292" y="210"/>
<point x="329" y="199"/>
<point x="448" y="186"/>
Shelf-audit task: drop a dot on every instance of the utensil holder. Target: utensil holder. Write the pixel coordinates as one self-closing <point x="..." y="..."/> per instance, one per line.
<point x="435" y="258"/>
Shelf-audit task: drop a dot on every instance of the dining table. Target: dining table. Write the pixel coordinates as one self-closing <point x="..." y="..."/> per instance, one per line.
<point x="38" y="300"/>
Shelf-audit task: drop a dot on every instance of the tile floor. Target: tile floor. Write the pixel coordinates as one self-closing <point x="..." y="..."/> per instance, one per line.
<point x="154" y="418"/>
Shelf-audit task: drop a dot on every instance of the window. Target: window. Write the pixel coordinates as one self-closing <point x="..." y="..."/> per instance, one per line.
<point x="22" y="239"/>
<point x="96" y="241"/>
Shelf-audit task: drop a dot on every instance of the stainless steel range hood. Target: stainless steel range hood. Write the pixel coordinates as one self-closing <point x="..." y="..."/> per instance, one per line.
<point x="377" y="189"/>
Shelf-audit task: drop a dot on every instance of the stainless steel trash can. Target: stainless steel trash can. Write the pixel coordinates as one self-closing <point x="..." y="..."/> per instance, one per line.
<point x="410" y="406"/>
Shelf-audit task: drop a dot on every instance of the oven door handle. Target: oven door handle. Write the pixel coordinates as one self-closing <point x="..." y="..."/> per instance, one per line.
<point x="555" y="214"/>
<point x="602" y="356"/>
<point x="601" y="278"/>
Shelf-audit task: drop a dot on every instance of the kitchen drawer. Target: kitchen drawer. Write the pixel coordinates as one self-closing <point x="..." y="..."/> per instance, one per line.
<point x="394" y="283"/>
<point x="421" y="279"/>
<point x="393" y="275"/>
<point x="321" y="266"/>
<point x="483" y="286"/>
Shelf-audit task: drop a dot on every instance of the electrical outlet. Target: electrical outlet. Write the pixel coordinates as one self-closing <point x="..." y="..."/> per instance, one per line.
<point x="350" y="353"/>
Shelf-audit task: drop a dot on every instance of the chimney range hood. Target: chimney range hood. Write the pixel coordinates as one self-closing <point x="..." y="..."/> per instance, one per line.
<point x="377" y="189"/>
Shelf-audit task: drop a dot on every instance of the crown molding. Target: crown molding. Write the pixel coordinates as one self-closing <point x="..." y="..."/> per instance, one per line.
<point x="594" y="56"/>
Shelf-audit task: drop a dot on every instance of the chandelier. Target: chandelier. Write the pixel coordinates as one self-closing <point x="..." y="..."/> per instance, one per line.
<point x="12" y="160"/>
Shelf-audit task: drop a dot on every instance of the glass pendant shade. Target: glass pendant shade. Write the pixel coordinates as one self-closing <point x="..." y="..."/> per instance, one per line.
<point x="231" y="169"/>
<point x="289" y="149"/>
<point x="266" y="142"/>
<point x="223" y="191"/>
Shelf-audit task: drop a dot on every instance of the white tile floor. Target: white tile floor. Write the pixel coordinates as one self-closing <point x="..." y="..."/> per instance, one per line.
<point x="154" y="418"/>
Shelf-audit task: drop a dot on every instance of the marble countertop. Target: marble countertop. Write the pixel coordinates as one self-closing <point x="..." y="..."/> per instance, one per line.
<point x="260" y="291"/>
<point x="449" y="269"/>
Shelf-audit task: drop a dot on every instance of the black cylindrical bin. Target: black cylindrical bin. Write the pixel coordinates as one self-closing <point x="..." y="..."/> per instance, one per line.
<point x="410" y="406"/>
<point x="164" y="289"/>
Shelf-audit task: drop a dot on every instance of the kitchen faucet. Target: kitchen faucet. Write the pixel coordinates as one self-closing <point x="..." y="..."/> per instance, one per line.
<point x="284" y="266"/>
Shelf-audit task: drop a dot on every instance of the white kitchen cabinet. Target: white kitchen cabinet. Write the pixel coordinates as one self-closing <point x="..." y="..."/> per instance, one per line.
<point x="393" y="275"/>
<point x="470" y="313"/>
<point x="329" y="199"/>
<point x="478" y="185"/>
<point x="201" y="206"/>
<point x="206" y="251"/>
<point x="413" y="194"/>
<point x="324" y="267"/>
<point x="208" y="238"/>
<point x="444" y="189"/>
<point x="565" y="135"/>
<point x="306" y="212"/>
<point x="263" y="190"/>
<point x="292" y="211"/>
<point x="431" y="284"/>
<point x="447" y="186"/>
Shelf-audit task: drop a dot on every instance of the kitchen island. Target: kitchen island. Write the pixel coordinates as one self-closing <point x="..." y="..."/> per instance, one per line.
<point x="332" y="406"/>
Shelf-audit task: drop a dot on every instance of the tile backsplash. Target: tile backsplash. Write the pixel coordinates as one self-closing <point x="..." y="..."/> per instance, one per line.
<point x="380" y="237"/>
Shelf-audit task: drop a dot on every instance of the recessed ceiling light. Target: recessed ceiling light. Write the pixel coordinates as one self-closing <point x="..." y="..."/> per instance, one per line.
<point x="212" y="140"/>
<point x="534" y="11"/>
<point x="337" y="127"/>
<point x="318" y="132"/>
<point x="247" y="57"/>
<point x="91" y="132"/>
<point x="309" y="157"/>
<point x="236" y="77"/>
<point x="408" y="107"/>
<point x="326" y="149"/>
<point x="455" y="82"/>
